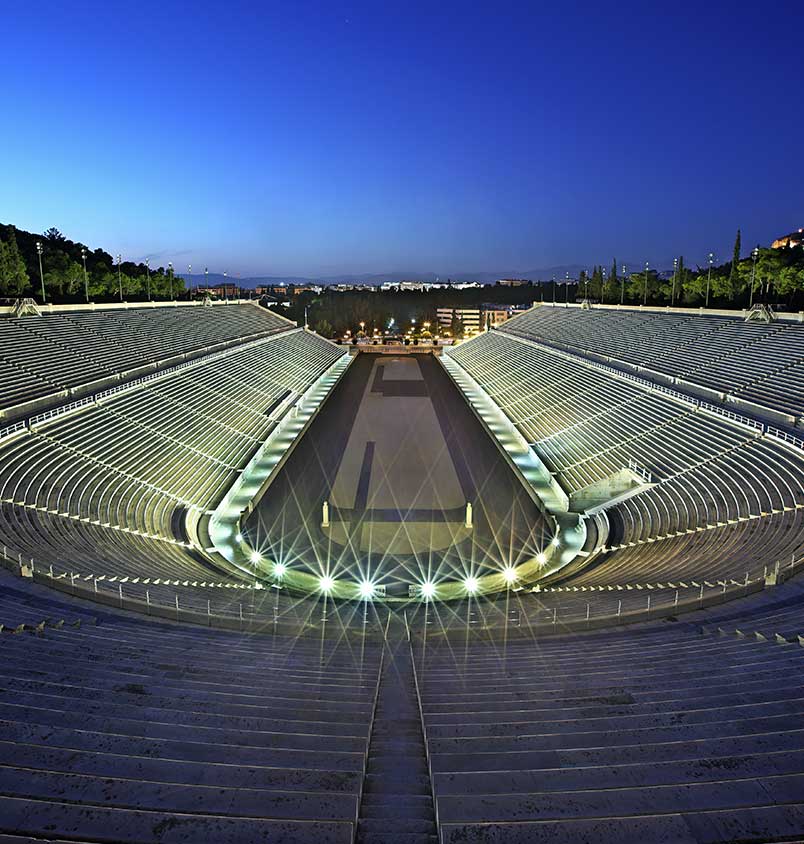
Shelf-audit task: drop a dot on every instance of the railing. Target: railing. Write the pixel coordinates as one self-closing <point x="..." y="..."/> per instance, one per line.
<point x="12" y="429"/>
<point x="730" y="414"/>
<point x="661" y="599"/>
<point x="798" y="442"/>
<point x="370" y="733"/>
<point x="423" y="726"/>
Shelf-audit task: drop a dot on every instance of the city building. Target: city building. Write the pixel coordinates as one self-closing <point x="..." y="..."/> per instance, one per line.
<point x="793" y="239"/>
<point x="513" y="282"/>
<point x="471" y="319"/>
<point x="496" y="314"/>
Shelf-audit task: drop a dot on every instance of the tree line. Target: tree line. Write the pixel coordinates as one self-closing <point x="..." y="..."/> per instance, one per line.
<point x="71" y="272"/>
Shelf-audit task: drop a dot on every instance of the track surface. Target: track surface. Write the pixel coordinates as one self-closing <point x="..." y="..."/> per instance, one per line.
<point x="397" y="453"/>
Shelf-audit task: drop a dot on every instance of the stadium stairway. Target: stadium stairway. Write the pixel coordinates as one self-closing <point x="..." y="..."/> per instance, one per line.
<point x="397" y="805"/>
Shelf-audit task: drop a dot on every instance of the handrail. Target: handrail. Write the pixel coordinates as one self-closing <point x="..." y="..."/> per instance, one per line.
<point x="370" y="734"/>
<point x="798" y="442"/>
<point x="423" y="728"/>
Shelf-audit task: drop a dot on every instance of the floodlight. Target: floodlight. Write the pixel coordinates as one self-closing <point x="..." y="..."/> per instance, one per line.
<point x="325" y="583"/>
<point x="239" y="537"/>
<point x="541" y="558"/>
<point x="367" y="589"/>
<point x="428" y="589"/>
<point x="470" y="584"/>
<point x="509" y="574"/>
<point x="255" y="557"/>
<point x="280" y="569"/>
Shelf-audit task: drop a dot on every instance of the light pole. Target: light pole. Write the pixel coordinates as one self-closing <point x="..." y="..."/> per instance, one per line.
<point x="554" y="290"/>
<point x="645" y="296"/>
<point x="170" y="278"/>
<point x="148" y="277"/>
<point x="675" y="275"/>
<point x="41" y="274"/>
<point x="119" y="278"/>
<point x="602" y="285"/>
<point x="709" y="278"/>
<point x="206" y="279"/>
<point x="754" y="255"/>
<point x="225" y="287"/>
<point x="566" y="290"/>
<point x="622" y="287"/>
<point x="86" y="281"/>
<point x="189" y="279"/>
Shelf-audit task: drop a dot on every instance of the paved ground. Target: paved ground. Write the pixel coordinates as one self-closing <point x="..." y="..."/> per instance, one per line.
<point x="397" y="453"/>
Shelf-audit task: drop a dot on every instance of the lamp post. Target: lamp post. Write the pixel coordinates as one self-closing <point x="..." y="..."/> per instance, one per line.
<point x="226" y="288"/>
<point x="754" y="255"/>
<point x="189" y="280"/>
<point x="709" y="278"/>
<point x="41" y="274"/>
<point x="566" y="289"/>
<point x="206" y="279"/>
<point x="119" y="278"/>
<point x="602" y="285"/>
<point x="675" y="276"/>
<point x="148" y="277"/>
<point x="645" y="296"/>
<point x="622" y="287"/>
<point x="554" y="290"/>
<point x="86" y="281"/>
<point x="170" y="277"/>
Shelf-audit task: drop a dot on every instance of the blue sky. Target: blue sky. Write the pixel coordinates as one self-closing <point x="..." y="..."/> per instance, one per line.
<point x="305" y="138"/>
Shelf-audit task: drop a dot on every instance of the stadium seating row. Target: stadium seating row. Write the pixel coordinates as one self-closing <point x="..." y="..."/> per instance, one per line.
<point x="758" y="362"/>
<point x="45" y="355"/>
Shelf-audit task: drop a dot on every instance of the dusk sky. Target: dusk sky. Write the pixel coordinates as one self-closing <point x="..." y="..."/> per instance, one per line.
<point x="312" y="139"/>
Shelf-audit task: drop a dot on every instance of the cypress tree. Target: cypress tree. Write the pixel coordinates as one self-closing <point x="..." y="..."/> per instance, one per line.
<point x="16" y="273"/>
<point x="735" y="257"/>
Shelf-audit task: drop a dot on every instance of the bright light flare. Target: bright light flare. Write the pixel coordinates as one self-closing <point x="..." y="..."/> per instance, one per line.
<point x="326" y="583"/>
<point x="255" y="557"/>
<point x="280" y="569"/>
<point x="509" y="574"/>
<point x="541" y="558"/>
<point x="367" y="589"/>
<point x="428" y="589"/>
<point x="471" y="585"/>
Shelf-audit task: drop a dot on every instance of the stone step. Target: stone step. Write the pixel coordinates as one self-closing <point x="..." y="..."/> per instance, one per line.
<point x="124" y="826"/>
<point x="394" y="823"/>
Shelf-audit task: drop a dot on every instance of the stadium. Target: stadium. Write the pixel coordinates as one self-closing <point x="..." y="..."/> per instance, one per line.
<point x="539" y="585"/>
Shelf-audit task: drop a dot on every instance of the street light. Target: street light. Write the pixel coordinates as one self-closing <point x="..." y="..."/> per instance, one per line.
<point x="645" y="297"/>
<point x="566" y="289"/>
<point x="754" y="255"/>
<point x="675" y="273"/>
<point x="119" y="278"/>
<point x="170" y="277"/>
<point x="86" y="281"/>
<point x="709" y="277"/>
<point x="622" y="287"/>
<point x="603" y="285"/>
<point x="41" y="274"/>
<point x="148" y="277"/>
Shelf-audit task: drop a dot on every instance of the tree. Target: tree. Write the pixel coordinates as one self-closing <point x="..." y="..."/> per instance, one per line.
<point x="735" y="260"/>
<point x="15" y="281"/>
<point x="324" y="328"/>
<point x="54" y="236"/>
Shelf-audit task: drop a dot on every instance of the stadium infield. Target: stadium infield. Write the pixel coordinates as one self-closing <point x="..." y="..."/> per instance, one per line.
<point x="396" y="453"/>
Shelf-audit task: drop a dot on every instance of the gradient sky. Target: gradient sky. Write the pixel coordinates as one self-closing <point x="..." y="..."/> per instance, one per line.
<point x="302" y="138"/>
